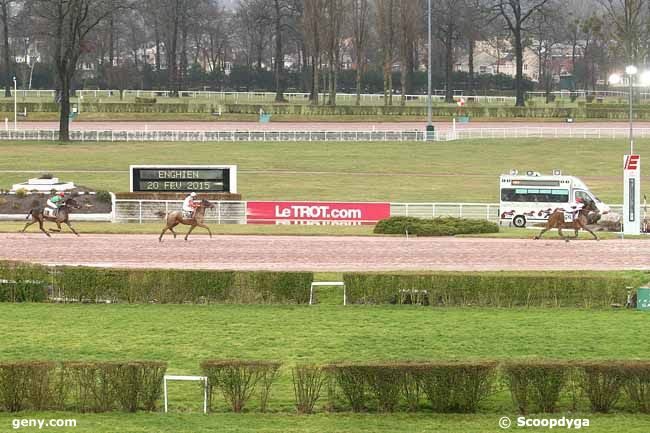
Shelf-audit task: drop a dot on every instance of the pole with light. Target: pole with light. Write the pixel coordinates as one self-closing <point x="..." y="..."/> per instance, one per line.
<point x="15" y="104"/>
<point x="430" y="130"/>
<point x="631" y="162"/>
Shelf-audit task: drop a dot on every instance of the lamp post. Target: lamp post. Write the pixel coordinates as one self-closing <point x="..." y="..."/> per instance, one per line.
<point x="430" y="130"/>
<point x="631" y="162"/>
<point x="631" y="71"/>
<point x="15" y="105"/>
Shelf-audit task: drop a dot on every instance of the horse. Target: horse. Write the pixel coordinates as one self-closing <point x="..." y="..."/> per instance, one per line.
<point x="176" y="217"/>
<point x="556" y="220"/>
<point x="62" y="216"/>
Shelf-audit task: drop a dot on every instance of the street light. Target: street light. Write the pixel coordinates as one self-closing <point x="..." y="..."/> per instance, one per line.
<point x="15" y="105"/>
<point x="429" y="109"/>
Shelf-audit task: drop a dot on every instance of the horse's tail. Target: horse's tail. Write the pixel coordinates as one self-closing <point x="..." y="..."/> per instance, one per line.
<point x="161" y="214"/>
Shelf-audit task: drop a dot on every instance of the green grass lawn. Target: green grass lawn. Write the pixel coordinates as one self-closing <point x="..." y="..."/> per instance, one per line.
<point x="465" y="171"/>
<point x="185" y="334"/>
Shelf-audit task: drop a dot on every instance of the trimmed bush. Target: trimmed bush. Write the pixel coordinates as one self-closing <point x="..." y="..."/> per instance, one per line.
<point x="456" y="386"/>
<point x="637" y="384"/>
<point x="536" y="382"/>
<point x="308" y="381"/>
<point x="386" y="383"/>
<point x="236" y="379"/>
<point x="26" y="385"/>
<point x="23" y="282"/>
<point x="442" y="226"/>
<point x="27" y="282"/>
<point x="493" y="289"/>
<point x="352" y="381"/>
<point x="602" y="383"/>
<point x="104" y="386"/>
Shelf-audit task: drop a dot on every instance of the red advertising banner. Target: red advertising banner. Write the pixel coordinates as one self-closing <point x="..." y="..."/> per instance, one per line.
<point x="315" y="212"/>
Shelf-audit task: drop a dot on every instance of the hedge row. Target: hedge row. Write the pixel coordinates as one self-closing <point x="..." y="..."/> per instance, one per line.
<point x="238" y="380"/>
<point x="440" y="386"/>
<point x="25" y="282"/>
<point x="491" y="289"/>
<point x="81" y="386"/>
<point x="441" y="226"/>
<point x="460" y="387"/>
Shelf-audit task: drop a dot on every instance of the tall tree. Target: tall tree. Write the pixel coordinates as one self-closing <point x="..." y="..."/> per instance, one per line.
<point x="447" y="29"/>
<point x="516" y="13"/>
<point x="359" y="36"/>
<point x="386" y="30"/>
<point x="312" y="15"/>
<point x="627" y="19"/>
<point x="334" y="19"/>
<point x="68" y="23"/>
<point x="5" y="11"/>
<point x="409" y="12"/>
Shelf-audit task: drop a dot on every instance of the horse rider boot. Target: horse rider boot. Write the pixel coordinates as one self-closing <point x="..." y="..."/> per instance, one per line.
<point x="53" y="204"/>
<point x="189" y="205"/>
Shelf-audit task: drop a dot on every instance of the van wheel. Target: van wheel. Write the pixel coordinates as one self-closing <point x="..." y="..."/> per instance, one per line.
<point x="519" y="221"/>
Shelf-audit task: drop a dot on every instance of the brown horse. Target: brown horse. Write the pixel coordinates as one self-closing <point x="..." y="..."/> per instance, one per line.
<point x="556" y="220"/>
<point x="175" y="218"/>
<point x="62" y="216"/>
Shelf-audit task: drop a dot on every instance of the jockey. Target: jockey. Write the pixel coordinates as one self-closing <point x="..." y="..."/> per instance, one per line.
<point x="190" y="204"/>
<point x="56" y="201"/>
<point x="575" y="207"/>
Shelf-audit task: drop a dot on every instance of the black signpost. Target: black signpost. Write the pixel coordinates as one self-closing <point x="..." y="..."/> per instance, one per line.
<point x="184" y="178"/>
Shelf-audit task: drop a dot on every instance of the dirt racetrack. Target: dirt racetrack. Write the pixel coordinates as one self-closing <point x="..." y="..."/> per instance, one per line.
<point x="326" y="253"/>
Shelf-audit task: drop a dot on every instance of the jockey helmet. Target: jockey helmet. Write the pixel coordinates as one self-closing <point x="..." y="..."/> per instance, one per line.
<point x="61" y="194"/>
<point x="192" y="194"/>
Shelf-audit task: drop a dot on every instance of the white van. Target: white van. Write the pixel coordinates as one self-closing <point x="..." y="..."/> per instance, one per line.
<point x="531" y="198"/>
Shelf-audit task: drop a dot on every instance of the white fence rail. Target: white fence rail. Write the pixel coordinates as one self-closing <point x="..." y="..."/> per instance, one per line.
<point x="141" y="211"/>
<point x="113" y="135"/>
<point x="234" y="212"/>
<point x="540" y="132"/>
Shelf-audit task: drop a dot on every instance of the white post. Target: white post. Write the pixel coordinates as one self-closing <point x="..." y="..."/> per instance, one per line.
<point x="205" y="395"/>
<point x="165" y="391"/>
<point x="15" y="104"/>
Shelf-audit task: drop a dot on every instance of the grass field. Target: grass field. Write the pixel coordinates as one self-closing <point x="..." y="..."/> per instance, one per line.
<point x="465" y="171"/>
<point x="185" y="334"/>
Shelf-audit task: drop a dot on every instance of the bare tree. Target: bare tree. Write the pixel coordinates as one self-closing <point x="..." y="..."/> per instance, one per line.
<point x="386" y="30"/>
<point x="447" y="29"/>
<point x="5" y="11"/>
<point x="313" y="13"/>
<point x="629" y="31"/>
<point x="334" y="19"/>
<point x="516" y="13"/>
<point x="68" y="24"/>
<point x="409" y="12"/>
<point x="360" y="10"/>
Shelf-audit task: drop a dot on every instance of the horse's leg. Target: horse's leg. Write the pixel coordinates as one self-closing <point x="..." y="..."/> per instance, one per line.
<point x="584" y="227"/>
<point x="539" y="236"/>
<point x="162" y="233"/>
<point x="58" y="225"/>
<point x="559" y="232"/>
<point x="69" y="226"/>
<point x="171" y="229"/>
<point x="207" y="228"/>
<point x="190" y="231"/>
<point x="29" y="223"/>
<point x="40" y="226"/>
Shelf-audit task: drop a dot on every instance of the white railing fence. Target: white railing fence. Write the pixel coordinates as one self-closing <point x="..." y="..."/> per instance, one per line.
<point x="234" y="212"/>
<point x="141" y="211"/>
<point x="114" y="135"/>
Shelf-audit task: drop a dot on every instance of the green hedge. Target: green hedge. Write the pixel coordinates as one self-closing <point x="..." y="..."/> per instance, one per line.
<point x="23" y="282"/>
<point x="441" y="226"/>
<point x="493" y="289"/>
<point x="87" y="284"/>
<point x="81" y="386"/>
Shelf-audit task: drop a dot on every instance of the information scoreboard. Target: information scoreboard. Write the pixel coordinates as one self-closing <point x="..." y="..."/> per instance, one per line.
<point x="184" y="178"/>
